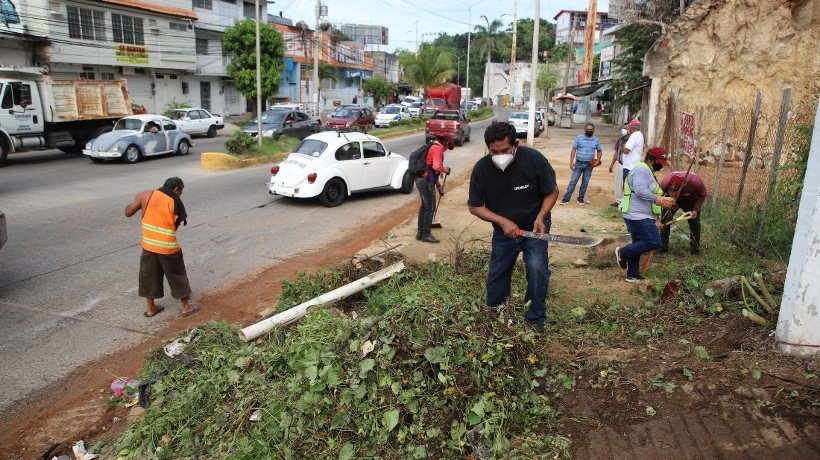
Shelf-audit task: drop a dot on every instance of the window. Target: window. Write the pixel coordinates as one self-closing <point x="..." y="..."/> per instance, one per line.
<point x="8" y="13"/>
<point x="247" y="10"/>
<point x="152" y="124"/>
<point x="178" y="26"/>
<point x="201" y="46"/>
<point x="193" y="114"/>
<point x="203" y="114"/>
<point x="302" y="116"/>
<point x="139" y="71"/>
<point x="85" y="24"/>
<point x="127" y="29"/>
<point x="21" y="94"/>
<point x="205" y="4"/>
<point x="107" y="76"/>
<point x="373" y="149"/>
<point x="7" y="100"/>
<point x="87" y="73"/>
<point x="185" y="87"/>
<point x="348" y="152"/>
<point x="169" y="125"/>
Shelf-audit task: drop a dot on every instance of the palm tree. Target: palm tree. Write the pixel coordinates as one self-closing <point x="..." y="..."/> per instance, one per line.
<point x="427" y="69"/>
<point x="488" y="39"/>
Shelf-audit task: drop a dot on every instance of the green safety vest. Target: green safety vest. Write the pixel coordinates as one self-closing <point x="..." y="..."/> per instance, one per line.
<point x="628" y="190"/>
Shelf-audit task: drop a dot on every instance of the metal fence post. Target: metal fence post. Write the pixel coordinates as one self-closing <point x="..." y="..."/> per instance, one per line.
<point x="778" y="148"/>
<point x="749" y="144"/>
<point x="723" y="145"/>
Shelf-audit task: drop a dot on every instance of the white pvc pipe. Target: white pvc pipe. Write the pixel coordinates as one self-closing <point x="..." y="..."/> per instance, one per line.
<point x="293" y="314"/>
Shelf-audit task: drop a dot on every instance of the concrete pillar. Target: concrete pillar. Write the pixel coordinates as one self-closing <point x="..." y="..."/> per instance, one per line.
<point x="798" y="325"/>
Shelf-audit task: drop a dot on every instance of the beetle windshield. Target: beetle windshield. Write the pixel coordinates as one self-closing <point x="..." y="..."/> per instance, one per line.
<point x="131" y="124"/>
<point x="311" y="148"/>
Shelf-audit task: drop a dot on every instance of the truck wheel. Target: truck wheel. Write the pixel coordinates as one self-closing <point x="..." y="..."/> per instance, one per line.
<point x="131" y="154"/>
<point x="211" y="131"/>
<point x="183" y="148"/>
<point x="407" y="183"/>
<point x="4" y="153"/>
<point x="333" y="194"/>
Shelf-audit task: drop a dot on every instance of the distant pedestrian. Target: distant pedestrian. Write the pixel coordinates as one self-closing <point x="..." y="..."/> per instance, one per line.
<point x="689" y="198"/>
<point x="641" y="208"/>
<point x="162" y="212"/>
<point x="616" y="166"/>
<point x="586" y="152"/>
<point x="598" y="108"/>
<point x="427" y="183"/>
<point x="632" y="149"/>
<point x="355" y="99"/>
<point x="514" y="189"/>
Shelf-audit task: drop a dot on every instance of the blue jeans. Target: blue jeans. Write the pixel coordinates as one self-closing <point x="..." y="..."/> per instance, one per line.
<point x="581" y="167"/>
<point x="536" y="260"/>
<point x="645" y="238"/>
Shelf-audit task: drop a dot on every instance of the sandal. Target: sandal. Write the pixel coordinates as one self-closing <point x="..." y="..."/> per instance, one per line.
<point x="159" y="310"/>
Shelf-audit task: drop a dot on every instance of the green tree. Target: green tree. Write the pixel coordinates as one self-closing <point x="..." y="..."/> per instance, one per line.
<point x="546" y="38"/>
<point x="548" y="77"/>
<point x="559" y="52"/>
<point x="489" y="37"/>
<point x="379" y="89"/>
<point x="241" y="40"/>
<point x="429" y="68"/>
<point x="635" y="40"/>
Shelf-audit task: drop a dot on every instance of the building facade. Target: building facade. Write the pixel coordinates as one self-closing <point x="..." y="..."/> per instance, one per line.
<point x="572" y="23"/>
<point x="365" y="34"/>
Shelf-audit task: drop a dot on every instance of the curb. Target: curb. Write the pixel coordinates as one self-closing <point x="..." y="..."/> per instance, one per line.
<point x="217" y="161"/>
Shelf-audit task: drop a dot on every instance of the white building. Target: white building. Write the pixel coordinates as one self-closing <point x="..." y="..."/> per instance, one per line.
<point x="498" y="83"/>
<point x="565" y="19"/>
<point x="18" y="46"/>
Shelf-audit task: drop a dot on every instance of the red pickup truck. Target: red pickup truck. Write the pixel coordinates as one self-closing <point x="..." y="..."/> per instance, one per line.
<point x="451" y="122"/>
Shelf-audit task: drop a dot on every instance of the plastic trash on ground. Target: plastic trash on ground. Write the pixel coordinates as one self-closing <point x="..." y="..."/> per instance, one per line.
<point x="120" y="384"/>
<point x="80" y="453"/>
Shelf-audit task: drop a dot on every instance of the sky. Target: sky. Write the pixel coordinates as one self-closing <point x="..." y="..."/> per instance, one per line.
<point x="434" y="16"/>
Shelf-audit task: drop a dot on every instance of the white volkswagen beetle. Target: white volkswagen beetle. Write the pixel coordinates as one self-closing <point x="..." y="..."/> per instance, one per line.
<point x="332" y="165"/>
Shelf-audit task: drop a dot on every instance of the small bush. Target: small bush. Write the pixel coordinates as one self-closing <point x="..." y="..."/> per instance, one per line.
<point x="240" y="143"/>
<point x="173" y="104"/>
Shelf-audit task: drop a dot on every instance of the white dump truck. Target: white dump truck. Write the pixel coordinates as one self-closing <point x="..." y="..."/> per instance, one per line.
<point x="38" y="113"/>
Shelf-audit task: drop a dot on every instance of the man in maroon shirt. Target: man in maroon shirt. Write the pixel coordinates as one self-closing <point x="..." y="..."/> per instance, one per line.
<point x="689" y="199"/>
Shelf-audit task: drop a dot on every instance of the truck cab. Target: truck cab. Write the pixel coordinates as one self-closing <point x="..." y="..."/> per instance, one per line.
<point x="21" y="114"/>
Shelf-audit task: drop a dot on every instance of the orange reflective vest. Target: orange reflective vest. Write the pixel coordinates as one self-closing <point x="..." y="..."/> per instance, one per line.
<point x="158" y="225"/>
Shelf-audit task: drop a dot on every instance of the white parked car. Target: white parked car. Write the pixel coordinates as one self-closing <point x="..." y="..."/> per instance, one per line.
<point x="521" y="119"/>
<point x="198" y="121"/>
<point x="331" y="166"/>
<point x="410" y="99"/>
<point x="415" y="109"/>
<point x="391" y="113"/>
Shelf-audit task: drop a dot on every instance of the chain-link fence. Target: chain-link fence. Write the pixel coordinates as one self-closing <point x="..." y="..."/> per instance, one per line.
<point x="739" y="150"/>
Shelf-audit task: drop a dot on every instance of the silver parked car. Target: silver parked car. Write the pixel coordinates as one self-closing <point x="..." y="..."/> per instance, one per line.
<point x="138" y="136"/>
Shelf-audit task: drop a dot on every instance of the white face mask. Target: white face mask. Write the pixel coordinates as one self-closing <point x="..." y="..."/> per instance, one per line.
<point x="502" y="160"/>
<point x="624" y="132"/>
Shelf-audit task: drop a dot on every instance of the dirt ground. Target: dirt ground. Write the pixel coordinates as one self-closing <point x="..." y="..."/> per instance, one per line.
<point x="714" y="416"/>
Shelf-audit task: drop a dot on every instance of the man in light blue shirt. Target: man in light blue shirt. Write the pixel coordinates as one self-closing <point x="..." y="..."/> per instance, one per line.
<point x="584" y="150"/>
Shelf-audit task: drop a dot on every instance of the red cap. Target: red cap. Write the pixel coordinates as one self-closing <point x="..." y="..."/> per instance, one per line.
<point x="659" y="154"/>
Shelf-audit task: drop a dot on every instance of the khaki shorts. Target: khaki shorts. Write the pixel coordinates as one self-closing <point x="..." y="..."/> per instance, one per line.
<point x="154" y="266"/>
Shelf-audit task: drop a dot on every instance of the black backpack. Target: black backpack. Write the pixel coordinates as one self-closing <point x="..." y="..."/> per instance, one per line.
<point x="418" y="161"/>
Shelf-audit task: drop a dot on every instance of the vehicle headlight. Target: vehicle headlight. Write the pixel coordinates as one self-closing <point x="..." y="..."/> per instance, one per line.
<point x="348" y="124"/>
<point x="115" y="148"/>
<point x="88" y="146"/>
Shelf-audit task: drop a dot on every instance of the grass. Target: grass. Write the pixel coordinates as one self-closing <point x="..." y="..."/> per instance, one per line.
<point x="276" y="150"/>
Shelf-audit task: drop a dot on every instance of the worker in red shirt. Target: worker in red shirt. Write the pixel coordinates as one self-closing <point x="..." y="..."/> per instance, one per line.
<point x="426" y="185"/>
<point x="689" y="199"/>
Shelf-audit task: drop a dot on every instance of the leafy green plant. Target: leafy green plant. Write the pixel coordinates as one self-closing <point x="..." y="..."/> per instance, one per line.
<point x="173" y="104"/>
<point x="240" y="143"/>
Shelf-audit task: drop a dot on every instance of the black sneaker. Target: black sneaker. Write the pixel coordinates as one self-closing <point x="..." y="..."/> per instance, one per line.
<point x="634" y="279"/>
<point x="536" y="327"/>
<point x="620" y="260"/>
<point x="429" y="239"/>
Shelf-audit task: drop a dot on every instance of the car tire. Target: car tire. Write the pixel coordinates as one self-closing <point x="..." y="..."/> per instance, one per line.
<point x="407" y="183"/>
<point x="467" y="139"/>
<point x="183" y="148"/>
<point x="131" y="155"/>
<point x="460" y="140"/>
<point x="333" y="194"/>
<point x="211" y="131"/>
<point x="4" y="153"/>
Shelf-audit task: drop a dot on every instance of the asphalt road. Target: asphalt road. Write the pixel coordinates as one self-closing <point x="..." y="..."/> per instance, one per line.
<point x="68" y="291"/>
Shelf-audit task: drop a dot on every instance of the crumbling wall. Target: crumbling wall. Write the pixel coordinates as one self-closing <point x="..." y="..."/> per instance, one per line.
<point x="721" y="52"/>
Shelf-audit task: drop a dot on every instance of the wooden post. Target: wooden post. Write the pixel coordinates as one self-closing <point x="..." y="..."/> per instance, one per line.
<point x="723" y="145"/>
<point x="699" y="135"/>
<point x="778" y="147"/>
<point x="749" y="144"/>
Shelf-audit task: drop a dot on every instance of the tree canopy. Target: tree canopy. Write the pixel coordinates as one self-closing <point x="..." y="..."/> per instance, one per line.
<point x="428" y="68"/>
<point x="241" y="40"/>
<point x="379" y="89"/>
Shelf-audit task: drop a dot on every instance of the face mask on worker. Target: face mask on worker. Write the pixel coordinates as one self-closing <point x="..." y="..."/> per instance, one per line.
<point x="656" y="166"/>
<point x="624" y="132"/>
<point x="589" y="132"/>
<point x="503" y="160"/>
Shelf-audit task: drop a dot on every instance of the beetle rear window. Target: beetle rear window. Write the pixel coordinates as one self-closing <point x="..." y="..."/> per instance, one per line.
<point x="311" y="148"/>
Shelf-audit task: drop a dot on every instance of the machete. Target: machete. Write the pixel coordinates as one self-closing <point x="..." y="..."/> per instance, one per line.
<point x="573" y="240"/>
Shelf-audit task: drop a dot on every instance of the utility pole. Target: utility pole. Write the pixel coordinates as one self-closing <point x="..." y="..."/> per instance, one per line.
<point x="314" y="97"/>
<point x="417" y="36"/>
<point x="534" y="73"/>
<point x="469" y="32"/>
<point x="512" y="58"/>
<point x="589" y="40"/>
<point x="258" y="81"/>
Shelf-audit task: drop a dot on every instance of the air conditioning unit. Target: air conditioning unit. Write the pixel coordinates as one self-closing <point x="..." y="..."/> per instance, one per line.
<point x="55" y="9"/>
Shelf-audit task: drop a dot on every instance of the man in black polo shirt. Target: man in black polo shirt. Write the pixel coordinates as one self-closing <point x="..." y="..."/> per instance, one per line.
<point x="514" y="188"/>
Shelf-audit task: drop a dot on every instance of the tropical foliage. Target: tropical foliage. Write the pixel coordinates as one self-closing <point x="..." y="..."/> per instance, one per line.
<point x="427" y="68"/>
<point x="241" y="40"/>
<point x="379" y="89"/>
